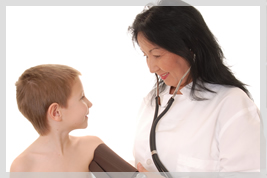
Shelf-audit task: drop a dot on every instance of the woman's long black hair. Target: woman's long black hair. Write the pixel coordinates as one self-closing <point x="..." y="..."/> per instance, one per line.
<point x="181" y="29"/>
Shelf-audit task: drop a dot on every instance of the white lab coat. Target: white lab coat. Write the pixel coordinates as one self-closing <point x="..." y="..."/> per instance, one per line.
<point x="221" y="134"/>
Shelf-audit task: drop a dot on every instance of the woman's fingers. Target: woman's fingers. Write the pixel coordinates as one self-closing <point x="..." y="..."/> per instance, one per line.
<point x="140" y="168"/>
<point x="147" y="174"/>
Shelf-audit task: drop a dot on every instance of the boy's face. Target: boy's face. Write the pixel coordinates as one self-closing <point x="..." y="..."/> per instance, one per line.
<point x="75" y="115"/>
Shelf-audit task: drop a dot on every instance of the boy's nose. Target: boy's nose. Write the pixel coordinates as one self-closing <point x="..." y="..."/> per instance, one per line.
<point x="89" y="104"/>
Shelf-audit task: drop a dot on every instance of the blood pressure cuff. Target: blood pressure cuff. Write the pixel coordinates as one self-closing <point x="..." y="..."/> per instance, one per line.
<point x="110" y="164"/>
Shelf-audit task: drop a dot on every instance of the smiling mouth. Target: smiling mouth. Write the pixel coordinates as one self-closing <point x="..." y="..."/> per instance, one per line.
<point x="164" y="76"/>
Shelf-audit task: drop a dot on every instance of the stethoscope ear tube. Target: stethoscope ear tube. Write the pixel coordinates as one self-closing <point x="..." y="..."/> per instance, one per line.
<point x="163" y="171"/>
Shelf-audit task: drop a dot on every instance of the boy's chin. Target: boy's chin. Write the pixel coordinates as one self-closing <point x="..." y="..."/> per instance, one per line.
<point x="83" y="126"/>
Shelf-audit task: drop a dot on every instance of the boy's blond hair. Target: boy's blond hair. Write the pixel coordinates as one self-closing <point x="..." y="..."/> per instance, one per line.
<point x="40" y="86"/>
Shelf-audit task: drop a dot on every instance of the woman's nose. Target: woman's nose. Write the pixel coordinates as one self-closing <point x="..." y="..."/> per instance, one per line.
<point x="152" y="65"/>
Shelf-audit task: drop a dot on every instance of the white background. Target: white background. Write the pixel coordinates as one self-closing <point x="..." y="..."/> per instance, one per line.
<point x="95" y="41"/>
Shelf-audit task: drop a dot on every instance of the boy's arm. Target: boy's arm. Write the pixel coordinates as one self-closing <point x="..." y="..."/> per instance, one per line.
<point x="91" y="142"/>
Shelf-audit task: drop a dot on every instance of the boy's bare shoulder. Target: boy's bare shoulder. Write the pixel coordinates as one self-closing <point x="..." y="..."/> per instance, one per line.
<point x="88" y="141"/>
<point x="21" y="163"/>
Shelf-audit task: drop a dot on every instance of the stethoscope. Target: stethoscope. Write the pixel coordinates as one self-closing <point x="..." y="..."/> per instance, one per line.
<point x="161" y="168"/>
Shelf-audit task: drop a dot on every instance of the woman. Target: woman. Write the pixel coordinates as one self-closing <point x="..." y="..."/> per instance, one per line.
<point x="212" y="124"/>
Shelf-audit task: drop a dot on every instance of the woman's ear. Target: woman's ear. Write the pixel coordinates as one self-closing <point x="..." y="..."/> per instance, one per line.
<point x="54" y="112"/>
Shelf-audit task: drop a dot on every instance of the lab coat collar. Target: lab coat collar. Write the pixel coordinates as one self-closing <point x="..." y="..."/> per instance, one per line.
<point x="185" y="90"/>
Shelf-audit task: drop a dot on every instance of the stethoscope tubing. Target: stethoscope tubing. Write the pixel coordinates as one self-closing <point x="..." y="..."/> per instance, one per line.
<point x="161" y="168"/>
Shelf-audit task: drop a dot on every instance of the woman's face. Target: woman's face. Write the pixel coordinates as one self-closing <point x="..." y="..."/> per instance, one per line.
<point x="169" y="66"/>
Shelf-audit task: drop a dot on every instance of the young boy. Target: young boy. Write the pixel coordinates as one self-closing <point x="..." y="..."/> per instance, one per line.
<point x="51" y="97"/>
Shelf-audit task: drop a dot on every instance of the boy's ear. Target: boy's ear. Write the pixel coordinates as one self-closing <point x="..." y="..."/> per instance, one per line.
<point x="54" y="112"/>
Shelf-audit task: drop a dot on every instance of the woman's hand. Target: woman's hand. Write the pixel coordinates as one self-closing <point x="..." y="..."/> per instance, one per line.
<point x="147" y="174"/>
<point x="140" y="168"/>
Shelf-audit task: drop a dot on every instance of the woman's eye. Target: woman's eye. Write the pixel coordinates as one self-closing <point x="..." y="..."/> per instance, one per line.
<point x="156" y="56"/>
<point x="82" y="97"/>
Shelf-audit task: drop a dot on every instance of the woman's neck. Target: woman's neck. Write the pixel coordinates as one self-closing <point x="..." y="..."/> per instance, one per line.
<point x="172" y="88"/>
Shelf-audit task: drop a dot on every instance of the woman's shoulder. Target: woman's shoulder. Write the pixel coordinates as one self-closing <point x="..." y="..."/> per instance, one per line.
<point x="229" y="92"/>
<point x="233" y="101"/>
<point x="229" y="98"/>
